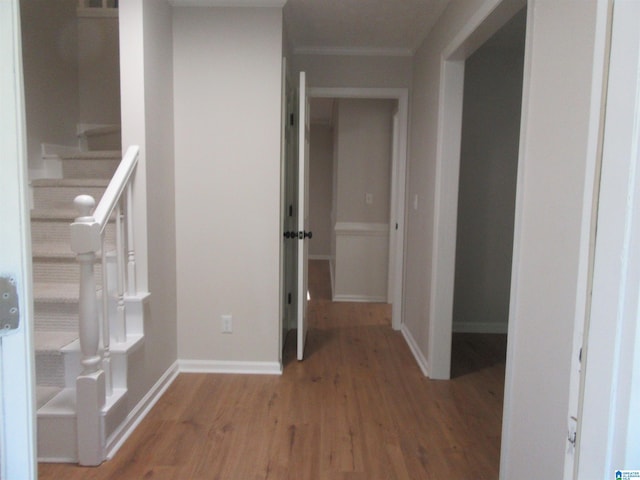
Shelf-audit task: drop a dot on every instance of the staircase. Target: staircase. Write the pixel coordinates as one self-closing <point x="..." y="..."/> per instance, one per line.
<point x="56" y="277"/>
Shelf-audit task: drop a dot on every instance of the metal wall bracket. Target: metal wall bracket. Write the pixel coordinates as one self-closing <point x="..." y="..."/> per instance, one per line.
<point x="9" y="309"/>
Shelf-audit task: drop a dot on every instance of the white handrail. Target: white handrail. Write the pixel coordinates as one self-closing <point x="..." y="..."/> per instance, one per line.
<point x="117" y="186"/>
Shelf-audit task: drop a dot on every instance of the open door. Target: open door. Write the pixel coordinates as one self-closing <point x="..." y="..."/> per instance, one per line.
<point x="17" y="378"/>
<point x="303" y="212"/>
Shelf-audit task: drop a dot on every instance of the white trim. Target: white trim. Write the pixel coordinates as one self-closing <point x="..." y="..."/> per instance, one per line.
<point x="319" y="257"/>
<point x="17" y="369"/>
<point x="140" y="411"/>
<point x="509" y="391"/>
<point x="601" y="57"/>
<point x="228" y="3"/>
<point x="355" y="92"/>
<point x="355" y="51"/>
<point x="608" y="418"/>
<point x="480" y="327"/>
<point x="360" y="298"/>
<point x="332" y="275"/>
<point x="232" y="367"/>
<point x="417" y="353"/>
<point x="97" y="129"/>
<point x="361" y="229"/>
<point x="399" y="169"/>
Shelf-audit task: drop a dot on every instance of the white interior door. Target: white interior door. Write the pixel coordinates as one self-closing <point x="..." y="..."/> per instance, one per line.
<point x="17" y="409"/>
<point x="303" y="212"/>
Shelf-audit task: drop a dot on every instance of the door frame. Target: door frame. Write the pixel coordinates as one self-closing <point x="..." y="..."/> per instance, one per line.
<point x="480" y="27"/>
<point x="17" y="375"/>
<point x="398" y="184"/>
<point x="608" y="420"/>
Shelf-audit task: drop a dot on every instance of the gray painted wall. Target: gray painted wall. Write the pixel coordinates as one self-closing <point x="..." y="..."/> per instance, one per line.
<point x="364" y="160"/>
<point x="50" y="63"/>
<point x="99" y="70"/>
<point x="227" y="84"/>
<point x="148" y="122"/>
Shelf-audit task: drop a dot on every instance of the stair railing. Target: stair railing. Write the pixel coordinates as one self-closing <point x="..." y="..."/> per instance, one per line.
<point x="88" y="230"/>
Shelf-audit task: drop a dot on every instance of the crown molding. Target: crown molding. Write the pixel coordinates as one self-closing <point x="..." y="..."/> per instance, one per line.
<point x="228" y="3"/>
<point x="355" y="51"/>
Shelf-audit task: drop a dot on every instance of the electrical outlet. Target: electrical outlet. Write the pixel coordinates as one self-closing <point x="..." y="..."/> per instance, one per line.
<point x="226" y="323"/>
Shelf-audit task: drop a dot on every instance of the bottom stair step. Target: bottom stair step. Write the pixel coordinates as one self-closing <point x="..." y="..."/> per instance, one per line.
<point x="57" y="427"/>
<point x="57" y="430"/>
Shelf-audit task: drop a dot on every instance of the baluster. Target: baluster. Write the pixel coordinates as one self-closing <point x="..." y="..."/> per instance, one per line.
<point x="106" y="335"/>
<point x="88" y="308"/>
<point x="120" y="275"/>
<point x="131" y="266"/>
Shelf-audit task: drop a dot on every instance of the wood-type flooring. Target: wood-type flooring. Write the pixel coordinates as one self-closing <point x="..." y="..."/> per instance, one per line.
<point x="358" y="408"/>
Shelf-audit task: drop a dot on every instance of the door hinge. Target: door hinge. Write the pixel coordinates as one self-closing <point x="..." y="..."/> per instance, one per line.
<point x="289" y="298"/>
<point x="572" y="433"/>
<point x="292" y="119"/>
<point x="9" y="305"/>
<point x="396" y="226"/>
<point x="291" y="210"/>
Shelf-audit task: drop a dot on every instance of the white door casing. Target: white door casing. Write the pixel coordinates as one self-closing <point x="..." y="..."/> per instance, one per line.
<point x="398" y="182"/>
<point x="303" y="212"/>
<point x="17" y="377"/>
<point x="609" y="417"/>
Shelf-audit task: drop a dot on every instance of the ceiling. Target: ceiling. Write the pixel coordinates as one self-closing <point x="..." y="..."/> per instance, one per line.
<point x="395" y="27"/>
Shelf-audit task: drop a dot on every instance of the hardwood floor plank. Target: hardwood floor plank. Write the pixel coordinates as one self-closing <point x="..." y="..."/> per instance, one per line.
<point x="358" y="407"/>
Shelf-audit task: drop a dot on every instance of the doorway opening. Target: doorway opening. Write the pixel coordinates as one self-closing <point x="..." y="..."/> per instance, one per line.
<point x="490" y="138"/>
<point x="349" y="195"/>
<point x="365" y="193"/>
<point x="390" y="233"/>
<point x="472" y="36"/>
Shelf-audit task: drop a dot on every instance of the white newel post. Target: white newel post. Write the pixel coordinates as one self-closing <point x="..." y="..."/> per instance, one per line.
<point x="90" y="384"/>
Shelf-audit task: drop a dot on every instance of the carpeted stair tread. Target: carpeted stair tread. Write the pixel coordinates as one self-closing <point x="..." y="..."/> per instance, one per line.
<point x="58" y="214"/>
<point x="70" y="182"/>
<point x="52" y="250"/>
<point x="93" y="155"/>
<point x="56" y="292"/>
<point x="45" y="393"/>
<point x="48" y="341"/>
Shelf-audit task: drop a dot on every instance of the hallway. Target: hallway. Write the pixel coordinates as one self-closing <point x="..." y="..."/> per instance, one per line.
<point x="358" y="407"/>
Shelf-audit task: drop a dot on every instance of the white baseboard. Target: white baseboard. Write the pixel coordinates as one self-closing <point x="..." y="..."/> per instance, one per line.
<point x="360" y="298"/>
<point x="319" y="257"/>
<point x="141" y="410"/>
<point x="480" y="327"/>
<point x="223" y="366"/>
<point x="413" y="346"/>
